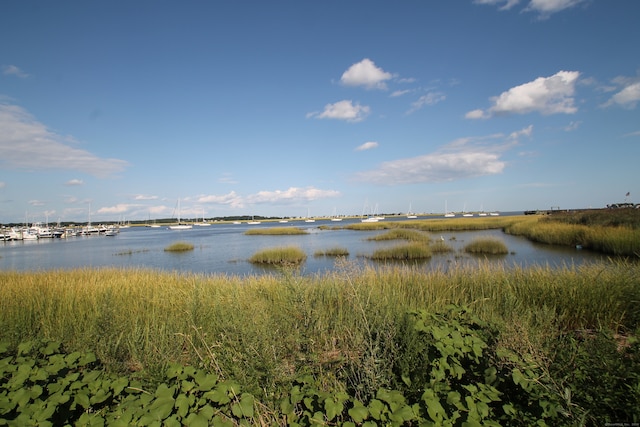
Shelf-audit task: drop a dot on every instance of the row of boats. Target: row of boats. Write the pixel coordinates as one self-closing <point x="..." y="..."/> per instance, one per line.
<point x="42" y="231"/>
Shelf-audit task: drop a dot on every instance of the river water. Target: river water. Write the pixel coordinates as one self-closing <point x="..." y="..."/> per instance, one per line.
<point x="224" y="248"/>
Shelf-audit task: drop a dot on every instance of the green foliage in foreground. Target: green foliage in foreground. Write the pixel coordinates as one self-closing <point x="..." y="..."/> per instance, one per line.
<point x="284" y="256"/>
<point x="449" y="371"/>
<point x="179" y="247"/>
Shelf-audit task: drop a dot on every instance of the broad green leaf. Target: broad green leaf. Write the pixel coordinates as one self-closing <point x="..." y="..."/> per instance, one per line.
<point x="162" y="407"/>
<point x="206" y="381"/>
<point x="359" y="413"/>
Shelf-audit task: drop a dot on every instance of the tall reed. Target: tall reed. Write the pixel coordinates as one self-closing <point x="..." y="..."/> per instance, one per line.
<point x="264" y="330"/>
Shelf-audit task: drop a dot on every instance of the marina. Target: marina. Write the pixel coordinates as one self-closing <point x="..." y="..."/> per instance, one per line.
<point x="224" y="248"/>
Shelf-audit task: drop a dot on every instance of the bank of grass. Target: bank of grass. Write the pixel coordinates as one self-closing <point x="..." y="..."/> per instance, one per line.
<point x="281" y="256"/>
<point x="179" y="247"/>
<point x="265" y="331"/>
<point x="623" y="240"/>
<point x="332" y="252"/>
<point x="402" y="234"/>
<point x="486" y="245"/>
<point x="402" y="252"/>
<point x="275" y="231"/>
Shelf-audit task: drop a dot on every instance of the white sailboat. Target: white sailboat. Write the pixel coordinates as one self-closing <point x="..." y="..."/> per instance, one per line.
<point x="410" y="214"/>
<point x="204" y="222"/>
<point x="179" y="225"/>
<point x="447" y="214"/>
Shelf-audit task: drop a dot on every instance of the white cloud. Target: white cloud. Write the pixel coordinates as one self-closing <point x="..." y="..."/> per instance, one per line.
<point x="462" y="158"/>
<point x="73" y="182"/>
<point x="26" y="143"/>
<point x="292" y="195"/>
<point x="342" y="110"/>
<point x="117" y="209"/>
<point x="365" y="73"/>
<point x="545" y="95"/>
<point x="12" y="70"/>
<point x="508" y="4"/>
<point x="36" y="202"/>
<point x="367" y="146"/>
<point x="543" y="7"/>
<point x="231" y="198"/>
<point x="636" y="133"/>
<point x="398" y="93"/>
<point x="627" y="97"/>
<point x="2" y="184"/>
<point x="144" y="197"/>
<point x="430" y="98"/>
<point x="547" y="7"/>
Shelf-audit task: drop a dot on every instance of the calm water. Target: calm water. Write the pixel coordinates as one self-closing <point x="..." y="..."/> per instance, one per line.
<point x="223" y="248"/>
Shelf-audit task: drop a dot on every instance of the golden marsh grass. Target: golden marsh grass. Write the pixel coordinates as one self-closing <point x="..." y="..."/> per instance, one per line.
<point x="263" y="330"/>
<point x="179" y="247"/>
<point x="275" y="231"/>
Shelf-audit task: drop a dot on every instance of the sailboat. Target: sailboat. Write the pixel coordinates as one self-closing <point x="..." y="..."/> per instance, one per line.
<point x="308" y="218"/>
<point x="411" y="215"/>
<point x="180" y="226"/>
<point x="335" y="217"/>
<point x="447" y="214"/>
<point x="204" y="222"/>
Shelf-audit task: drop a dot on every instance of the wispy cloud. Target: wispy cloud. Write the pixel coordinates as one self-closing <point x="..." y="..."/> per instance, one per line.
<point x="430" y="98"/>
<point x="74" y="182"/>
<point x="636" y="133"/>
<point x="366" y="73"/>
<point x="26" y="143"/>
<point x="232" y="199"/>
<point x="12" y="70"/>
<point x="342" y="110"/>
<point x="291" y="195"/>
<point x="545" y="95"/>
<point x="460" y="159"/>
<point x="627" y="92"/>
<point x="120" y="209"/>
<point x="367" y="146"/>
<point x="543" y="7"/>
<point x="144" y="197"/>
<point x="3" y="184"/>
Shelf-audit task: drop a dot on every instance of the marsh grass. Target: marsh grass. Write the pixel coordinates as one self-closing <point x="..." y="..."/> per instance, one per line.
<point x="282" y="256"/>
<point x="275" y="231"/>
<point x="487" y="245"/>
<point x="614" y="240"/>
<point x="402" y="252"/>
<point x="179" y="247"/>
<point x="402" y="234"/>
<point x="262" y="331"/>
<point x="332" y="252"/>
<point x="439" y="246"/>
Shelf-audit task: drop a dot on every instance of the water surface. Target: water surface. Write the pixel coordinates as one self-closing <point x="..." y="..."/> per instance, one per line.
<point x="225" y="249"/>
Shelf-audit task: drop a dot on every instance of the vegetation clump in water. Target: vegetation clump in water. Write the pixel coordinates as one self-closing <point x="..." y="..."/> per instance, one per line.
<point x="179" y="247"/>
<point x="332" y="252"/>
<point x="275" y="231"/>
<point x="284" y="256"/>
<point x="405" y="252"/>
<point x="487" y="245"/>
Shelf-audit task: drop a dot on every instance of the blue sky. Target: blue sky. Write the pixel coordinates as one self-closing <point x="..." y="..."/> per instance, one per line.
<point x="289" y="108"/>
